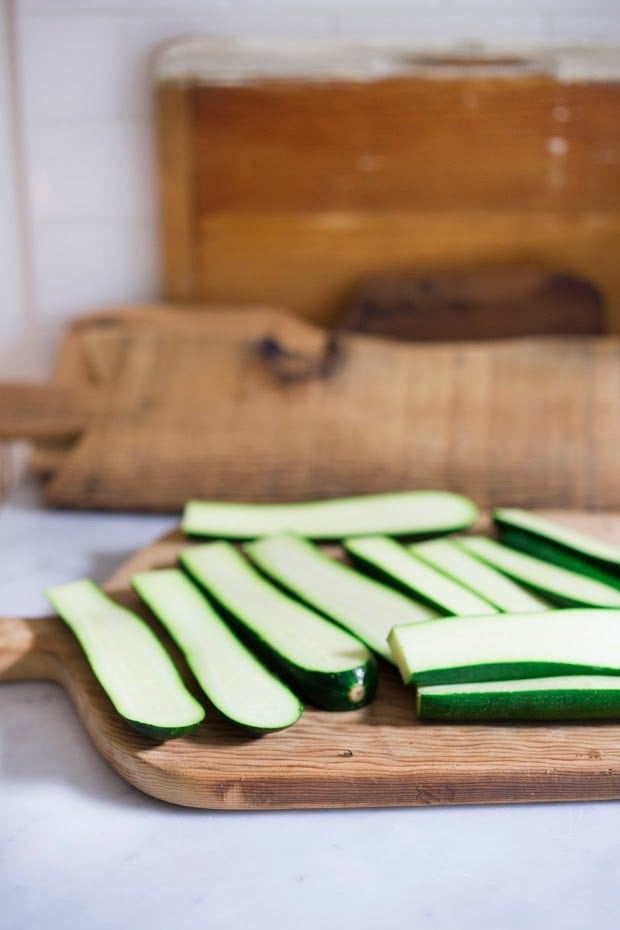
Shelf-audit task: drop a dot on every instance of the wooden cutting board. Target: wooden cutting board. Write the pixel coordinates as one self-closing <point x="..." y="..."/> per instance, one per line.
<point x="376" y="757"/>
<point x="156" y="405"/>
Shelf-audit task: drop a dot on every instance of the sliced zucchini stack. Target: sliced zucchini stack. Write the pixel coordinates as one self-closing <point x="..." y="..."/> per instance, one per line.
<point x="322" y="662"/>
<point x="399" y="567"/>
<point x="566" y="547"/>
<point x="564" y="697"/>
<point x="407" y="513"/>
<point x="563" y="587"/>
<point x="502" y="592"/>
<point x="232" y="677"/>
<point x="366" y="608"/>
<point x="130" y="663"/>
<point x="452" y="650"/>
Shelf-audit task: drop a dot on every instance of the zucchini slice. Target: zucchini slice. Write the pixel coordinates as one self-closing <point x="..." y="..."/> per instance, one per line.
<point x="321" y="662"/>
<point x="407" y="513"/>
<point x="566" y="547"/>
<point x="564" y="697"/>
<point x="400" y="567"/>
<point x="232" y="677"/>
<point x="366" y="608"/>
<point x="560" y="585"/>
<point x="502" y="592"/>
<point x="128" y="660"/>
<point x="505" y="646"/>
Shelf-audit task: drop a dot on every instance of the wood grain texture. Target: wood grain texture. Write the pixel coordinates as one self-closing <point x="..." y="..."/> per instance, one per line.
<point x="195" y="412"/>
<point x="405" y="143"/>
<point x="33" y="411"/>
<point x="286" y="191"/>
<point x="188" y="407"/>
<point x="376" y="757"/>
<point x="309" y="262"/>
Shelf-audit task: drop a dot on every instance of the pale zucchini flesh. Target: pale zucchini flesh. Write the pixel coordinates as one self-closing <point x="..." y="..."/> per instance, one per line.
<point x="564" y="697"/>
<point x="128" y="660"/>
<point x="564" y="546"/>
<point x="502" y="592"/>
<point x="230" y="675"/>
<point x="361" y="605"/>
<point x="321" y="662"/>
<point x="400" y="567"/>
<point x="507" y="646"/>
<point x="405" y="513"/>
<point x="560" y="585"/>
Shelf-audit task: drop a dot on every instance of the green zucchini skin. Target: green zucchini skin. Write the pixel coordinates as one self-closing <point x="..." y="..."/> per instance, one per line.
<point x="561" y="586"/>
<point x="160" y="734"/>
<point x="508" y="646"/>
<point x="341" y="690"/>
<point x="118" y="643"/>
<point x="372" y="555"/>
<point x="407" y="514"/>
<point x="332" y="691"/>
<point x="565" y="698"/>
<point x="250" y="696"/>
<point x="552" y="550"/>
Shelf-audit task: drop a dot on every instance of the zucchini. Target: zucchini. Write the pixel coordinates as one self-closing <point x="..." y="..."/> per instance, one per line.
<point x="407" y="513"/>
<point x="128" y="660"/>
<point x="399" y="567"/>
<point x="560" y="585"/>
<point x="321" y="662"/>
<point x="232" y="677"/>
<point x="366" y="608"/>
<point x="499" y="590"/>
<point x="564" y="697"/>
<point x="505" y="646"/>
<point x="566" y="547"/>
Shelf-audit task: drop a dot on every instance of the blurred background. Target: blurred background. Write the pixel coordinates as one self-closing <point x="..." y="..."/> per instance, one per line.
<point x="77" y="178"/>
<point x="420" y="170"/>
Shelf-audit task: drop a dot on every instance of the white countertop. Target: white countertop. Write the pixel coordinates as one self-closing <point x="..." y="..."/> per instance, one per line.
<point x="82" y="850"/>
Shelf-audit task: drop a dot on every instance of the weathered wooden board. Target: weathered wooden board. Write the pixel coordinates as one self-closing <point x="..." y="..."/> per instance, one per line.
<point x="287" y="173"/>
<point x="184" y="404"/>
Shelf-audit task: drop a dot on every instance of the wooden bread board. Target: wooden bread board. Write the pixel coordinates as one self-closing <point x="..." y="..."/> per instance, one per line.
<point x="168" y="404"/>
<point x="380" y="756"/>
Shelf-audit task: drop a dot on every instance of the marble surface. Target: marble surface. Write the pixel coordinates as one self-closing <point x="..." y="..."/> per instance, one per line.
<point x="79" y="848"/>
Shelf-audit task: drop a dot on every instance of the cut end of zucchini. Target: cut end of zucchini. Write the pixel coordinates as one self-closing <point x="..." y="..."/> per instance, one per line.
<point x="357" y="694"/>
<point x="129" y="662"/>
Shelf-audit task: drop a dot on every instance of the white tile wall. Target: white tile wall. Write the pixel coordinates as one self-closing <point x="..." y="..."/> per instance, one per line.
<point x="14" y="320"/>
<point x="81" y="69"/>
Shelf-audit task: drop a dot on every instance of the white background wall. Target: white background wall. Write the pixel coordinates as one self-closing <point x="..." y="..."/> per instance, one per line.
<point x="78" y="221"/>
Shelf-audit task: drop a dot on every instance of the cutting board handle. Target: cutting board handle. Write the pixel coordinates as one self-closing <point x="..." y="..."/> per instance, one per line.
<point x="41" y="411"/>
<point x="30" y="649"/>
